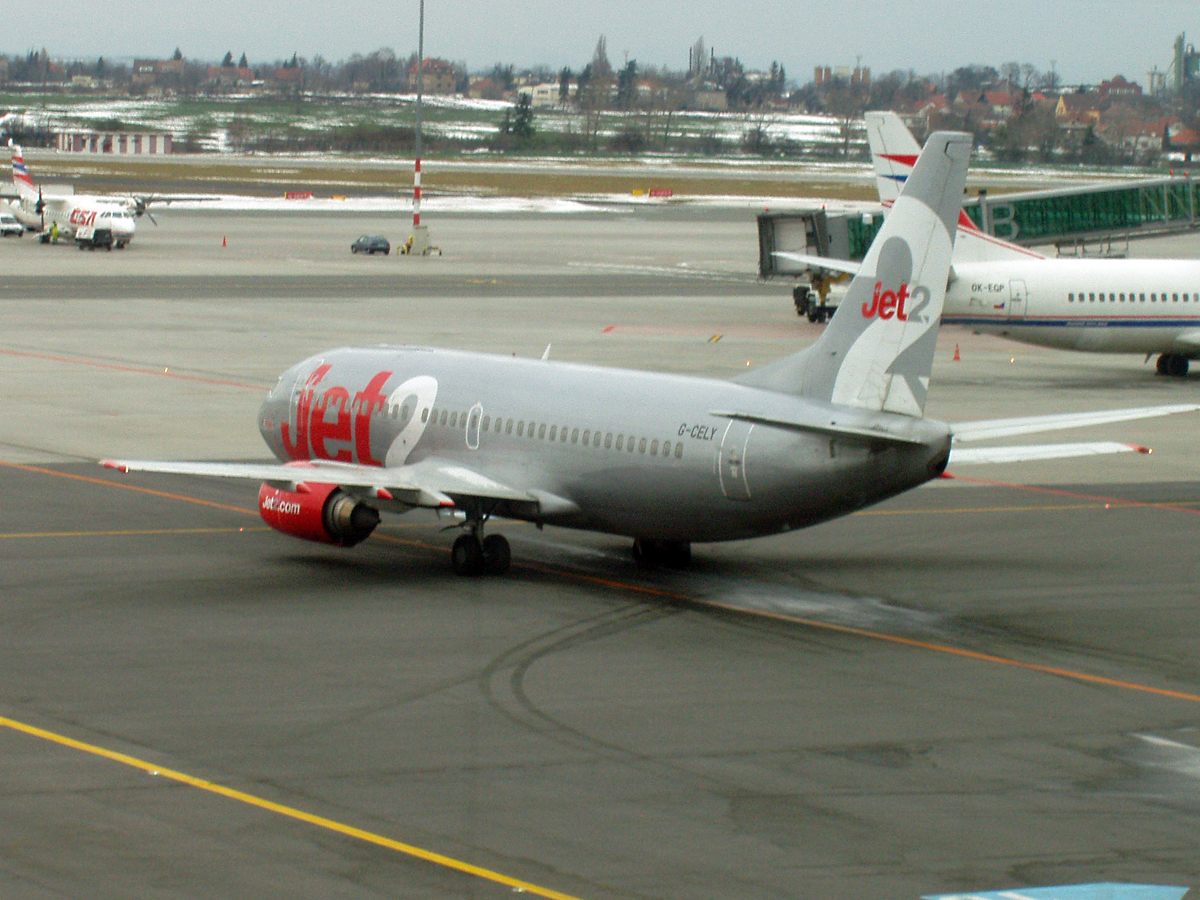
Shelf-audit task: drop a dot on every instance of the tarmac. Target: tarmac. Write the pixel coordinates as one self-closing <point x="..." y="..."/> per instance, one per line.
<point x="989" y="682"/>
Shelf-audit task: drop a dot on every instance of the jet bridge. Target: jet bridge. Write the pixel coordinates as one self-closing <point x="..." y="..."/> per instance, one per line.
<point x="835" y="234"/>
<point x="1072" y="217"/>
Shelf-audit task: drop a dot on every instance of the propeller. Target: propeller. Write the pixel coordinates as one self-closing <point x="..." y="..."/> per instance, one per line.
<point x="141" y="207"/>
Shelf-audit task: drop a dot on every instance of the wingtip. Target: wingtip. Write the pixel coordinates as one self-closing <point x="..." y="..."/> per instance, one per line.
<point x="113" y="464"/>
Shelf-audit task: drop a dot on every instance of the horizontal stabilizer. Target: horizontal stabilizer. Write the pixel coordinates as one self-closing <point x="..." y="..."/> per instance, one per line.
<point x="962" y="456"/>
<point x="991" y="429"/>
<point x="820" y="262"/>
<point x="832" y="429"/>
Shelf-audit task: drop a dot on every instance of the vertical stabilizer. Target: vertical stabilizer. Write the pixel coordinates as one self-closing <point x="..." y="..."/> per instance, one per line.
<point x="877" y="351"/>
<point x="21" y="177"/>
<point x="893" y="154"/>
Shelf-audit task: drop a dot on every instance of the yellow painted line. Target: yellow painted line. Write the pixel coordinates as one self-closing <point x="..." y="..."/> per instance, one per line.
<point x="210" y="787"/>
<point x="131" y="533"/>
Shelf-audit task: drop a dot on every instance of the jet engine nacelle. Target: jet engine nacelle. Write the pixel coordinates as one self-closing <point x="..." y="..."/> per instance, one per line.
<point x="317" y="512"/>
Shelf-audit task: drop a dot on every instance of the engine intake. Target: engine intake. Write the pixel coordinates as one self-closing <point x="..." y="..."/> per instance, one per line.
<point x="317" y="512"/>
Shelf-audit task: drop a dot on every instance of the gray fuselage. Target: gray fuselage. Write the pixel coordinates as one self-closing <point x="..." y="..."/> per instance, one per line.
<point x="619" y="451"/>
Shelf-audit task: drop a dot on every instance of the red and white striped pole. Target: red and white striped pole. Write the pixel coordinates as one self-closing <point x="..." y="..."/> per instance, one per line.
<point x="420" y="90"/>
<point x="417" y="195"/>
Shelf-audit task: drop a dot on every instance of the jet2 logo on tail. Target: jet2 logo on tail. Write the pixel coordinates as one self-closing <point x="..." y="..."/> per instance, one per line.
<point x="894" y="304"/>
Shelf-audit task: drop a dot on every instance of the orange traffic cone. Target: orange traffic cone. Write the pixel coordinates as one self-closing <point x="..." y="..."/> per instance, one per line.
<point x="223" y="244"/>
<point x="957" y="358"/>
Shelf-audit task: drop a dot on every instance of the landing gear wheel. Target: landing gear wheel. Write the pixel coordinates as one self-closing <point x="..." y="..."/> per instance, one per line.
<point x="675" y="554"/>
<point x="466" y="556"/>
<point x="1174" y="365"/>
<point x="645" y="552"/>
<point x="496" y="554"/>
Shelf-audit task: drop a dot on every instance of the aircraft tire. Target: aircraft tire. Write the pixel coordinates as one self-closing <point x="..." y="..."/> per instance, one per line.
<point x="497" y="555"/>
<point x="1178" y="366"/>
<point x="675" y="554"/>
<point x="466" y="556"/>
<point x="647" y="553"/>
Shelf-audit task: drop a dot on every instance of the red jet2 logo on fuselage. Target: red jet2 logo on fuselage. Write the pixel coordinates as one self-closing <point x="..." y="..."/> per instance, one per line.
<point x="352" y="429"/>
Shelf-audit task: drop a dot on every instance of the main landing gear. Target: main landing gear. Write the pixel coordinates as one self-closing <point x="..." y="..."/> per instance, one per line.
<point x="473" y="554"/>
<point x="650" y="554"/>
<point x="1174" y="365"/>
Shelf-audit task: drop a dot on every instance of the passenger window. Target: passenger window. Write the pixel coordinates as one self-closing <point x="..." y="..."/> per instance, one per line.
<point x="1112" y="298"/>
<point x="1091" y="298"/>
<point x="654" y="447"/>
<point x="666" y="448"/>
<point x="444" y="416"/>
<point x="596" y="439"/>
<point x="487" y="422"/>
<point x="542" y="431"/>
<point x="679" y="450"/>
<point x="642" y="446"/>
<point x="453" y="420"/>
<point x="608" y="441"/>
<point x="425" y="414"/>
<point x="562" y="435"/>
<point x="587" y="437"/>
<point x="620" y="442"/>
<point x="575" y="436"/>
<point x="632" y="443"/>
<point x="508" y="426"/>
<point x="521" y="428"/>
<point x="1175" y="298"/>
<point x="1141" y="298"/>
<point x="1070" y="298"/>
<point x="553" y="431"/>
<point x="1122" y="298"/>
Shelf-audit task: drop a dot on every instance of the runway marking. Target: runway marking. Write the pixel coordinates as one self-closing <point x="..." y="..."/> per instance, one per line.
<point x="126" y="487"/>
<point x="129" y="533"/>
<point x="290" y="812"/>
<point x="1058" y="492"/>
<point x="134" y="370"/>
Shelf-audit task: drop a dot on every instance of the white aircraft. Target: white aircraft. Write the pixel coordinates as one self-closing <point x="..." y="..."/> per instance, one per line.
<point x="86" y="219"/>
<point x="665" y="459"/>
<point x="1145" y="306"/>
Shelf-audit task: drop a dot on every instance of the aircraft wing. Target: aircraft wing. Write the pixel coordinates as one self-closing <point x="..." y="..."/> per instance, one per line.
<point x="820" y="262"/>
<point x="990" y="429"/>
<point x="1189" y="339"/>
<point x="432" y="482"/>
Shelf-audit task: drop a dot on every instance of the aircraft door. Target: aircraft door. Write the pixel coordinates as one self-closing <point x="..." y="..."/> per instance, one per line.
<point x="1017" y="295"/>
<point x="473" y="418"/>
<point x="731" y="467"/>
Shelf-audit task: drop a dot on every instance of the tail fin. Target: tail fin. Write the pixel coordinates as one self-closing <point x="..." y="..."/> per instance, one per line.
<point x="21" y="177"/>
<point x="877" y="351"/>
<point x="894" y="153"/>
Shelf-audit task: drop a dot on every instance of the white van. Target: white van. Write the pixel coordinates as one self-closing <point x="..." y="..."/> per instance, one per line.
<point x="10" y="225"/>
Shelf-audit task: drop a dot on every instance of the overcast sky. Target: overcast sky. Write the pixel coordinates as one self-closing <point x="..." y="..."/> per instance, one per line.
<point x="1085" y="41"/>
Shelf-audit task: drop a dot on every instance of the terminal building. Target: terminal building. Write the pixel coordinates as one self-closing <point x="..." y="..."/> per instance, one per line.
<point x="121" y="143"/>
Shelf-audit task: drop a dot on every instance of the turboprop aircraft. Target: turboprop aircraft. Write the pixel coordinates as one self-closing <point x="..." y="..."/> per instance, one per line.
<point x="1144" y="306"/>
<point x="79" y="216"/>
<point x="665" y="459"/>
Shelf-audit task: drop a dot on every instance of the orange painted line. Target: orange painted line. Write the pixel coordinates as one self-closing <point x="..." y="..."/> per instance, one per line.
<point x="966" y="654"/>
<point x="127" y="487"/>
<point x="1057" y="492"/>
<point x="684" y="598"/>
<point x="133" y="370"/>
